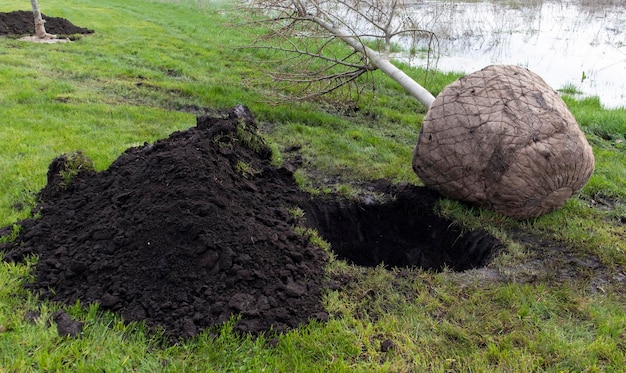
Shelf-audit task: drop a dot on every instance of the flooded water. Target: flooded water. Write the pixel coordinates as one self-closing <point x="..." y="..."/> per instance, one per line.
<point x="577" y="44"/>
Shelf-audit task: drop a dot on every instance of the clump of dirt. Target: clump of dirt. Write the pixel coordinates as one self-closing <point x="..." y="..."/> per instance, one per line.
<point x="199" y="227"/>
<point x="182" y="234"/>
<point x="21" y="22"/>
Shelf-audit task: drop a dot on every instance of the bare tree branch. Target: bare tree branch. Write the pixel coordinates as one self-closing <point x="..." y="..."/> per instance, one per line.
<point x="312" y="35"/>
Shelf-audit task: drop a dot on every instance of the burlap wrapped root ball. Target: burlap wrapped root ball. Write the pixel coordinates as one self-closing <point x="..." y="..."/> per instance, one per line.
<point x="503" y="139"/>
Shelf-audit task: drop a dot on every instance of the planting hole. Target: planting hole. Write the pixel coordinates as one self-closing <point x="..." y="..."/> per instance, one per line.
<point x="402" y="232"/>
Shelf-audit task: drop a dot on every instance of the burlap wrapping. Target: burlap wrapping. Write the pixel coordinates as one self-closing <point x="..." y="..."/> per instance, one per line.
<point x="503" y="139"/>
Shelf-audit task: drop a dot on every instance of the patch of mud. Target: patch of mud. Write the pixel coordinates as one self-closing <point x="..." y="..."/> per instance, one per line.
<point x="607" y="203"/>
<point x="555" y="262"/>
<point x="197" y="228"/>
<point x="21" y="22"/>
<point x="551" y="262"/>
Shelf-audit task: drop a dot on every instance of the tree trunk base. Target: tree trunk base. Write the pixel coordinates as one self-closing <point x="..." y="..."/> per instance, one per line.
<point x="35" y="39"/>
<point x="40" y="29"/>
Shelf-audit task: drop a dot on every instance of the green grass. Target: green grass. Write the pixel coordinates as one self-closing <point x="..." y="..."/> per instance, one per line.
<point x="133" y="80"/>
<point x="570" y="89"/>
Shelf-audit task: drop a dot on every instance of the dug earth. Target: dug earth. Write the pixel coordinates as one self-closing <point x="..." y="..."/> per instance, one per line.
<point x="198" y="228"/>
<point x="21" y="23"/>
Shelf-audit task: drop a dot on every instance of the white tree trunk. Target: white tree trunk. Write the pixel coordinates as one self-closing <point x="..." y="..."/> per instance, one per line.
<point x="40" y="29"/>
<point x="414" y="89"/>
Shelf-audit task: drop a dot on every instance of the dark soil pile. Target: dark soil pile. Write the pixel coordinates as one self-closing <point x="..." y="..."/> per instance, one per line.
<point x="182" y="234"/>
<point x="197" y="228"/>
<point x="21" y="22"/>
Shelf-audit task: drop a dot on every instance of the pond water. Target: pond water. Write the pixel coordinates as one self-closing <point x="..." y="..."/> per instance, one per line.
<point x="577" y="44"/>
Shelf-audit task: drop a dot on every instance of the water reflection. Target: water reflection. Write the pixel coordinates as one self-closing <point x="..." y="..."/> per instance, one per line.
<point x="577" y="44"/>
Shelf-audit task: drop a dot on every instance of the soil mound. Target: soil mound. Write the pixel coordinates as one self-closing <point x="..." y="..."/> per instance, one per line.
<point x="20" y="22"/>
<point x="196" y="228"/>
<point x="182" y="234"/>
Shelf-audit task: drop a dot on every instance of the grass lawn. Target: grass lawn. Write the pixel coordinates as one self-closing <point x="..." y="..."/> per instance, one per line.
<point x="142" y="75"/>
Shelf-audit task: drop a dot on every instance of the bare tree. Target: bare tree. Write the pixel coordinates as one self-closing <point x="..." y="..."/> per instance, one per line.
<point x="40" y="29"/>
<point x="304" y="33"/>
<point x="500" y="137"/>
